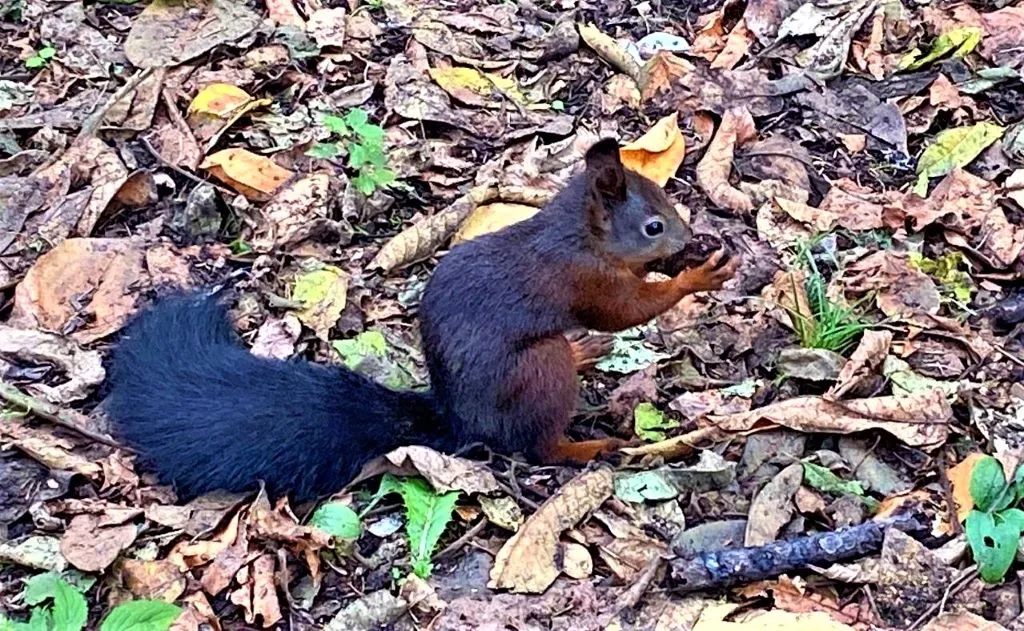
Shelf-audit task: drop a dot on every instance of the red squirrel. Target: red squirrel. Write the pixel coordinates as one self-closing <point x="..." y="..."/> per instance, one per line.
<point x="206" y="414"/>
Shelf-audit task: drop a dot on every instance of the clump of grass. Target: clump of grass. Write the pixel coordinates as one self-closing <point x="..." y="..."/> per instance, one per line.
<point x="829" y="325"/>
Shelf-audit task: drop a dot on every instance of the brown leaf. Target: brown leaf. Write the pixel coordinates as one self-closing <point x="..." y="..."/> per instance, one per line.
<point x="920" y="419"/>
<point x="159" y="580"/>
<point x="773" y="506"/>
<point x="79" y="277"/>
<point x="660" y="73"/>
<point x="1004" y="36"/>
<point x="198" y="614"/>
<point x="167" y="33"/>
<point x="264" y="595"/>
<point x="91" y="548"/>
<point x="902" y="291"/>
<point x="658" y="153"/>
<point x="960" y="484"/>
<point x="276" y="337"/>
<point x="47" y="447"/>
<point x="82" y="369"/>
<point x="527" y="562"/>
<point x="284" y="13"/>
<point x="736" y="46"/>
<point x="288" y="219"/>
<point x="962" y="621"/>
<point x="609" y="50"/>
<point x="869" y="354"/>
<point x="714" y="168"/>
<point x="327" y="27"/>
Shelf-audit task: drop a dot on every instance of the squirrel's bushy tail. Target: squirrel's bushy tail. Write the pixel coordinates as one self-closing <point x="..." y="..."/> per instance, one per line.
<point x="206" y="414"/>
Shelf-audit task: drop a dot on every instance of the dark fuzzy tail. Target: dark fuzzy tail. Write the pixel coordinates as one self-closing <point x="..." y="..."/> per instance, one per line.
<point x="206" y="414"/>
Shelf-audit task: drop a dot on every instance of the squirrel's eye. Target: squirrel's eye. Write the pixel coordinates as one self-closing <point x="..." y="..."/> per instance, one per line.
<point x="654" y="227"/>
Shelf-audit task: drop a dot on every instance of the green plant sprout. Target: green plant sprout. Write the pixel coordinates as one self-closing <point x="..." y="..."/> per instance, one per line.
<point x="41" y="58"/>
<point x="829" y="325"/>
<point x="364" y="146"/>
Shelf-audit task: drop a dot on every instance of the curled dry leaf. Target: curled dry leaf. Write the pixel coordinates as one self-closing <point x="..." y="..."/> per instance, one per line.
<point x="445" y="473"/>
<point x="276" y="337"/>
<point x="609" y="50"/>
<point x="714" y="168"/>
<point x="252" y="175"/>
<point x="480" y="89"/>
<point x="527" y="563"/>
<point x="658" y="153"/>
<point x="736" y="46"/>
<point x="773" y="506"/>
<point x="92" y="548"/>
<point x="491" y="218"/>
<point x="46" y="447"/>
<point x="424" y="237"/>
<point x="660" y="73"/>
<point x="919" y="420"/>
<point x="868" y="356"/>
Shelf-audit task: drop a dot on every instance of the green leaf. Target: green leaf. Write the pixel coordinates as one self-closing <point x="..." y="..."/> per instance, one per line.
<point x="993" y="545"/>
<point x="358" y="348"/>
<point x="428" y="514"/>
<point x="629" y="354"/>
<point x="41" y="587"/>
<point x="1018" y="482"/>
<point x="987" y="483"/>
<point x="356" y="118"/>
<point x="822" y="478"/>
<point x="650" y="423"/>
<point x="960" y="41"/>
<point x="141" y="615"/>
<point x="952" y="149"/>
<point x="70" y="610"/>
<point x="1012" y="516"/>
<point x="335" y="124"/>
<point x="383" y="178"/>
<point x="371" y="134"/>
<point x="41" y="620"/>
<point x="337" y="520"/>
<point x="35" y="62"/>
<point x="47" y="52"/>
<point x="324" y="150"/>
<point x="364" y="184"/>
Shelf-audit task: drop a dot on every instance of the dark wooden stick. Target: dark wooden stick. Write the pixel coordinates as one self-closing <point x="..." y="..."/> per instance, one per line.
<point x="722" y="568"/>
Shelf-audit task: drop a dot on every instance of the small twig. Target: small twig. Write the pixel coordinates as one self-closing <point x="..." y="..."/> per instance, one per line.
<point x="958" y="585"/>
<point x="92" y="123"/>
<point x="180" y="171"/>
<point x="457" y="545"/>
<point x="629" y="598"/>
<point x="75" y="421"/>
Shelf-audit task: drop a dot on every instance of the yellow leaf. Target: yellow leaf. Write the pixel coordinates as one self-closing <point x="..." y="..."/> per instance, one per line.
<point x="252" y="175"/>
<point x="322" y="292"/>
<point x="219" y="99"/>
<point x="952" y="149"/>
<point x="960" y="484"/>
<point x="491" y="218"/>
<point x="657" y="154"/>
<point x="473" y="87"/>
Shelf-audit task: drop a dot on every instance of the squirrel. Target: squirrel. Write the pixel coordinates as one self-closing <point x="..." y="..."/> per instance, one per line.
<point x="496" y="319"/>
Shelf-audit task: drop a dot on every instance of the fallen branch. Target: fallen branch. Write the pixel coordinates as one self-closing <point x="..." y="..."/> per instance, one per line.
<point x="722" y="568"/>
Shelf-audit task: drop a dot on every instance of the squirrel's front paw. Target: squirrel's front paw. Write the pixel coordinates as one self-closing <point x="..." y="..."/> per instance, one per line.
<point x="713" y="273"/>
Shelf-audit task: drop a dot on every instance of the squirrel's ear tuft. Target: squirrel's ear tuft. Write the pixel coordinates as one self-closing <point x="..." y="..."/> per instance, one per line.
<point x="605" y="170"/>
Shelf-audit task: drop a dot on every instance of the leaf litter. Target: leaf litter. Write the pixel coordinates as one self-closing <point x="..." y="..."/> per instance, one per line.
<point x="862" y="158"/>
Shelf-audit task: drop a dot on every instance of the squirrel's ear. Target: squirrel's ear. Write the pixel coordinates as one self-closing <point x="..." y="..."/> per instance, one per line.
<point x="605" y="171"/>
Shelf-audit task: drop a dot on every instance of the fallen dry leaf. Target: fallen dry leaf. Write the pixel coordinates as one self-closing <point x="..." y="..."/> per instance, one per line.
<point x="156" y="579"/>
<point x="919" y="420"/>
<point x="737" y="44"/>
<point x="252" y="175"/>
<point x="92" y="548"/>
<point x="658" y="153"/>
<point x="82" y="369"/>
<point x="491" y="218"/>
<point x="962" y="621"/>
<point x="445" y="473"/>
<point x="296" y="213"/>
<point x="868" y="356"/>
<point x="661" y="73"/>
<point x="527" y="563"/>
<point x="773" y="506"/>
<point x="480" y="89"/>
<point x="714" y="168"/>
<point x="167" y="33"/>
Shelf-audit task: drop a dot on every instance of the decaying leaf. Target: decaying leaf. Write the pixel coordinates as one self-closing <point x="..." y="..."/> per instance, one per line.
<point x="167" y="33"/>
<point x="954" y="148"/>
<point x="91" y="547"/>
<point x="473" y="87"/>
<point x="527" y="561"/>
